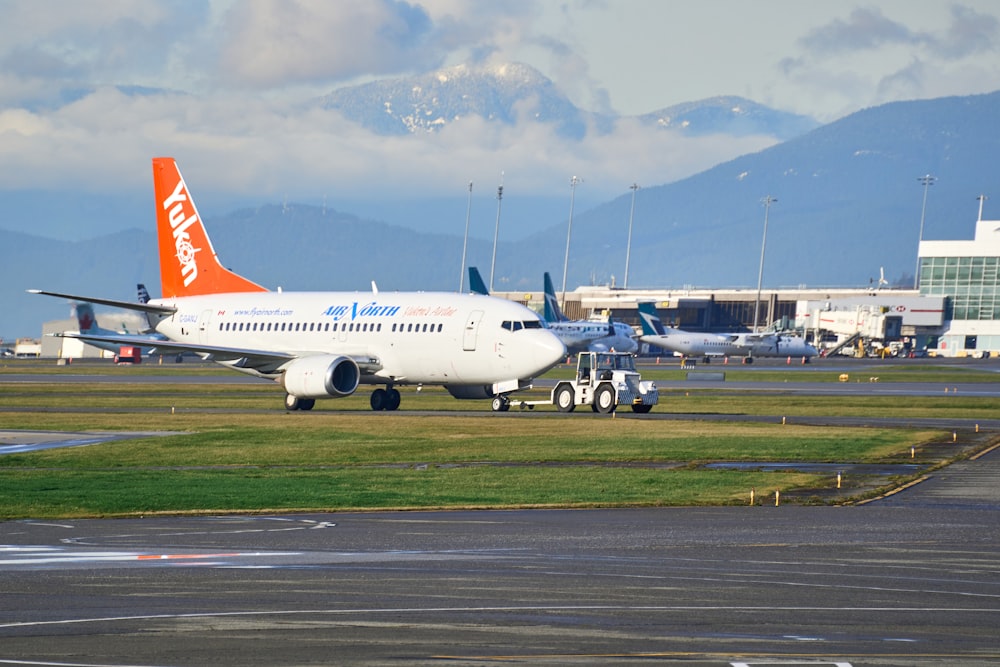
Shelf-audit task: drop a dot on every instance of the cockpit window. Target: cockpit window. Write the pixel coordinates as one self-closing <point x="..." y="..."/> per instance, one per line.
<point x="517" y="325"/>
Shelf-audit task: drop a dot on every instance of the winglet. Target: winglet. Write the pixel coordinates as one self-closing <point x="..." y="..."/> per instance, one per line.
<point x="188" y="263"/>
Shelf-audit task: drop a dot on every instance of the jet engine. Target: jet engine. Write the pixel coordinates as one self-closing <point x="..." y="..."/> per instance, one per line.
<point x="321" y="376"/>
<point x="470" y="390"/>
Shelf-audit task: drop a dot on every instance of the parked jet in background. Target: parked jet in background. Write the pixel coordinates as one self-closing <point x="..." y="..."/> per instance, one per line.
<point x="87" y="322"/>
<point x="324" y="344"/>
<point x="576" y="335"/>
<point x="698" y="344"/>
<point x="585" y="335"/>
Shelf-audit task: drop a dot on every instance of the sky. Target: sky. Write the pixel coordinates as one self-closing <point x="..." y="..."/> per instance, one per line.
<point x="223" y="86"/>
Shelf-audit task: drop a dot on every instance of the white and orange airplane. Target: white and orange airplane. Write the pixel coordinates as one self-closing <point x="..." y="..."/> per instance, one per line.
<point x="325" y="344"/>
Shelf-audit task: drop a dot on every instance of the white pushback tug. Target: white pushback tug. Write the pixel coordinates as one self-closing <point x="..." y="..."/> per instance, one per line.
<point x="604" y="380"/>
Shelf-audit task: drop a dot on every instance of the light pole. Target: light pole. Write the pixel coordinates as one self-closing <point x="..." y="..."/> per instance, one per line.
<point x="465" y="243"/>
<point x="628" y="247"/>
<point x="927" y="181"/>
<point x="768" y="200"/>
<point x="496" y="231"/>
<point x="572" y="198"/>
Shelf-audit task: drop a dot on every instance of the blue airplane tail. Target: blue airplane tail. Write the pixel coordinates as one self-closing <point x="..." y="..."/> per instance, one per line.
<point x="651" y="324"/>
<point x="552" y="311"/>
<point x="143" y="295"/>
<point x="476" y="284"/>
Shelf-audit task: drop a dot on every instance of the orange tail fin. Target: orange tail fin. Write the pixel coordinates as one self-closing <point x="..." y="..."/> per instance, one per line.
<point x="188" y="263"/>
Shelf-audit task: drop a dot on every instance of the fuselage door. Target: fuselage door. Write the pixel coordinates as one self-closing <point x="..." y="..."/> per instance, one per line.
<point x="203" y="321"/>
<point x="471" y="330"/>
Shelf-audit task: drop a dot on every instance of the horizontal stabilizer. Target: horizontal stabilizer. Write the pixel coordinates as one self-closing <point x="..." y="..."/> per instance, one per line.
<point x="128" y="305"/>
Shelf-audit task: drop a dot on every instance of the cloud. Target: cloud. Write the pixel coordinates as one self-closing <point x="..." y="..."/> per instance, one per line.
<point x="264" y="150"/>
<point x="69" y="121"/>
<point x="869" y="59"/>
<point x="110" y="42"/>
<point x="864" y="29"/>
<point x="274" y="43"/>
<point x="903" y="83"/>
<point x="260" y="45"/>
<point x="970" y="32"/>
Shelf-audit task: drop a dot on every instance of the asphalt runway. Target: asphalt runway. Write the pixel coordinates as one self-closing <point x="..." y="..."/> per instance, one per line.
<point x="910" y="579"/>
<point x="883" y="584"/>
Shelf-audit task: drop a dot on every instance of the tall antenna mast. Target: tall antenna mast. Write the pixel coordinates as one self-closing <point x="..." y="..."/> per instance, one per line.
<point x="496" y="231"/>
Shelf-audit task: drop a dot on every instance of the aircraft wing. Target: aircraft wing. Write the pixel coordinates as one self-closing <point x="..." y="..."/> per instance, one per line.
<point x="128" y="305"/>
<point x="751" y="339"/>
<point x="265" y="361"/>
<point x="252" y="357"/>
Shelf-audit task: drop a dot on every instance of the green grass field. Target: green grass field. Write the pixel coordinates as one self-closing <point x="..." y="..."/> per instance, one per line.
<point x="235" y="449"/>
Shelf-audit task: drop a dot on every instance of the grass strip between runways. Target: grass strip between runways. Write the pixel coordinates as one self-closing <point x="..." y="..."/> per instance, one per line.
<point x="313" y="462"/>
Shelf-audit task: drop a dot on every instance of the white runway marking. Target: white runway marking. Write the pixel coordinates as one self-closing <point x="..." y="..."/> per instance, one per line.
<point x="65" y="664"/>
<point x="645" y="609"/>
<point x="789" y="664"/>
<point x="298" y="524"/>
<point x="44" y="555"/>
<point x="21" y="441"/>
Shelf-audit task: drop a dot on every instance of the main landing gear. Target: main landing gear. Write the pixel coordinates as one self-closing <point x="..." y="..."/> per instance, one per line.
<point x="381" y="399"/>
<point x="293" y="403"/>
<point x="385" y="399"/>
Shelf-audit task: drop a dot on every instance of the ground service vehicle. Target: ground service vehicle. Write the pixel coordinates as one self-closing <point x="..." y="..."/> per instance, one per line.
<point x="604" y="380"/>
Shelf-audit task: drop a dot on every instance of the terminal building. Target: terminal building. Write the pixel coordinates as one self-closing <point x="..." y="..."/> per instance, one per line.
<point x="965" y="275"/>
<point x="953" y="312"/>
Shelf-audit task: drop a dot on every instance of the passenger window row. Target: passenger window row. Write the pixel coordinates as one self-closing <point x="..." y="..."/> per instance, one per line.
<point x="327" y="326"/>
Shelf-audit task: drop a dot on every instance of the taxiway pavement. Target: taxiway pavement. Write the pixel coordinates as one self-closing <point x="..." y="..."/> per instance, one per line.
<point x="910" y="580"/>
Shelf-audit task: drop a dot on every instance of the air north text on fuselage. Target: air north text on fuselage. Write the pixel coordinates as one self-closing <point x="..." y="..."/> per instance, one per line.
<point x="355" y="310"/>
<point x="182" y="240"/>
<point x="374" y="309"/>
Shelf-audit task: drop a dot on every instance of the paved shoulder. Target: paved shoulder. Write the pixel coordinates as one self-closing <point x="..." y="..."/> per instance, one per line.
<point x="974" y="483"/>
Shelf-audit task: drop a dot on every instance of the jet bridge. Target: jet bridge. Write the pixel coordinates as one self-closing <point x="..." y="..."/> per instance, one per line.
<point x="864" y="322"/>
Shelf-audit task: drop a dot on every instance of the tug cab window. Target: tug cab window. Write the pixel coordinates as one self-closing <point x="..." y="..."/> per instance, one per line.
<point x="584" y="369"/>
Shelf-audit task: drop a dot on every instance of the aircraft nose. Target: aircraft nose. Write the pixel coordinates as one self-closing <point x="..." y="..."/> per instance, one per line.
<point x="549" y="350"/>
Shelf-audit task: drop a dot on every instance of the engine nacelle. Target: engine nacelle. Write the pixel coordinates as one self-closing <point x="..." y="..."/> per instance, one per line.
<point x="321" y="376"/>
<point x="470" y="390"/>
